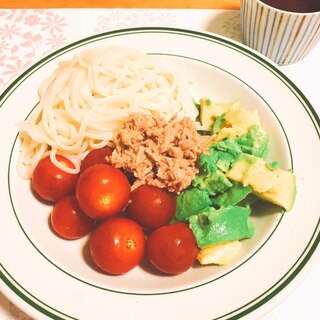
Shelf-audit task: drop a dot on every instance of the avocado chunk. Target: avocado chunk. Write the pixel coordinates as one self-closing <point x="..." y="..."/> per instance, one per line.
<point x="255" y="142"/>
<point x="276" y="186"/>
<point x="210" y="111"/>
<point x="221" y="155"/>
<point x="232" y="196"/>
<point x="219" y="254"/>
<point x="213" y="183"/>
<point x="238" y="121"/>
<point x="212" y="226"/>
<point x="213" y="164"/>
<point x="190" y="202"/>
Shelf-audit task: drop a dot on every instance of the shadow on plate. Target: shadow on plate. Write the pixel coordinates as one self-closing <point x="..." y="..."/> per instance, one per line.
<point x="264" y="209"/>
<point x="87" y="258"/>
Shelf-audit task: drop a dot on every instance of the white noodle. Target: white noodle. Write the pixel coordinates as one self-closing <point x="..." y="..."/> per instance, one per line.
<point x="89" y="96"/>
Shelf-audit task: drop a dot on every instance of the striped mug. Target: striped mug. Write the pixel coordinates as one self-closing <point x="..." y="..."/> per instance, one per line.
<point x="283" y="36"/>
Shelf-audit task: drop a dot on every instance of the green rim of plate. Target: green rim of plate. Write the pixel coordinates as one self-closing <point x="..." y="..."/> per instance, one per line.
<point x="313" y="243"/>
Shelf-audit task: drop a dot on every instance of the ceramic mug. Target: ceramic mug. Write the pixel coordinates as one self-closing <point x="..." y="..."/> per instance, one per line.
<point x="283" y="36"/>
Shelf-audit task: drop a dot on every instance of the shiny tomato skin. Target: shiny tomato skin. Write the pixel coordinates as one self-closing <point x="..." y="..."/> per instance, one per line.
<point x="52" y="183"/>
<point x="95" y="156"/>
<point x="151" y="206"/>
<point x="117" y="245"/>
<point x="102" y="191"/>
<point x="172" y="249"/>
<point x="69" y="221"/>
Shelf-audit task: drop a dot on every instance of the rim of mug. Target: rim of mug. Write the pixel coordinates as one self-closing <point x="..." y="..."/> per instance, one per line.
<point x="286" y="11"/>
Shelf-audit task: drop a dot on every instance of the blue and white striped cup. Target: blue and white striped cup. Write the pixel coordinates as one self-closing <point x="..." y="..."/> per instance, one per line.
<point x="284" y="37"/>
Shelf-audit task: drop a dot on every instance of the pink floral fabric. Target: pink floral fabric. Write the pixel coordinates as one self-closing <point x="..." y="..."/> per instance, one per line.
<point x="25" y="36"/>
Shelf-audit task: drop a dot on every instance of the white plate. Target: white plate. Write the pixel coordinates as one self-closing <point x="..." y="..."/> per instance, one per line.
<point x="50" y="277"/>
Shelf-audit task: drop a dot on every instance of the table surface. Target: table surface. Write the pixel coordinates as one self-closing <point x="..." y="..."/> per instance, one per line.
<point x="27" y="35"/>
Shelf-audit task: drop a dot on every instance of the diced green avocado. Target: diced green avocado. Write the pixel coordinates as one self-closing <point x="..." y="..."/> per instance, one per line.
<point x="221" y="155"/>
<point x="213" y="183"/>
<point x="190" y="202"/>
<point x="232" y="196"/>
<point x="210" y="111"/>
<point x="213" y="226"/>
<point x="214" y="164"/>
<point x="273" y="165"/>
<point x="219" y="123"/>
<point x="277" y="186"/>
<point x="255" y="142"/>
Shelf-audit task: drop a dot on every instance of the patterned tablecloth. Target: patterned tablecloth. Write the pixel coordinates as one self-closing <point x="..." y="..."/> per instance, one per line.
<point x="27" y="35"/>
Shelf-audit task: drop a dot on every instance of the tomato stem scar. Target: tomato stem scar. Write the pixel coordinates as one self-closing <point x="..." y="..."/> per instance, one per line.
<point x="130" y="244"/>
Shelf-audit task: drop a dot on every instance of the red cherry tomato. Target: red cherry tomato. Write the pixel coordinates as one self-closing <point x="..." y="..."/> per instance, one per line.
<point x="102" y="191"/>
<point x="52" y="183"/>
<point x="95" y="156"/>
<point x="68" y="220"/>
<point x="172" y="249"/>
<point x="117" y="245"/>
<point x="151" y="207"/>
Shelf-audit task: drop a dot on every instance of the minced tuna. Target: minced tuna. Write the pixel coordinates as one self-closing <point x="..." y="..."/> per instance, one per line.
<point x="158" y="152"/>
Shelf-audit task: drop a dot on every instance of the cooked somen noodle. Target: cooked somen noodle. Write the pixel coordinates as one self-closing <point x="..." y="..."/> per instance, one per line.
<point x="88" y="97"/>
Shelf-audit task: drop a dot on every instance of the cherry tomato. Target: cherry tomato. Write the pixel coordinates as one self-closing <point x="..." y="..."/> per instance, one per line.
<point x="102" y="191"/>
<point x="151" y="207"/>
<point x="95" y="156"/>
<point x="52" y="183"/>
<point x="117" y="245"/>
<point x="172" y="249"/>
<point x="68" y="220"/>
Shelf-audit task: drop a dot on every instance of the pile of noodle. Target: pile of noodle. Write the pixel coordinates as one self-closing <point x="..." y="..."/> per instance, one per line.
<point x="87" y="98"/>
